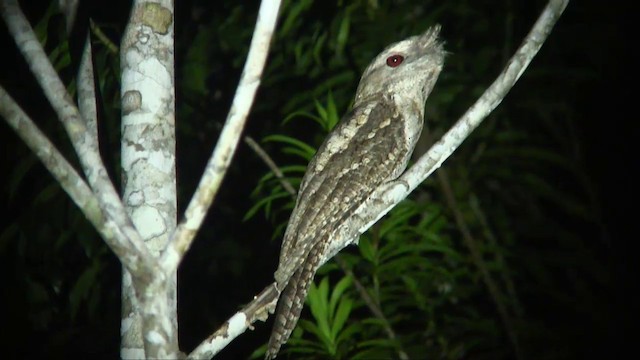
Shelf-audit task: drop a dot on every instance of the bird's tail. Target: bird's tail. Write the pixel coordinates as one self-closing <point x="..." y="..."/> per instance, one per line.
<point x="291" y="302"/>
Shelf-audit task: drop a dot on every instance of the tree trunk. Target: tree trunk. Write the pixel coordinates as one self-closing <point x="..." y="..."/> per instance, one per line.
<point x="148" y="152"/>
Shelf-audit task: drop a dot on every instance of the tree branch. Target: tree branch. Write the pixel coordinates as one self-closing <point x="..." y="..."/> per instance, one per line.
<point x="87" y="91"/>
<point x="258" y="309"/>
<point x="225" y="148"/>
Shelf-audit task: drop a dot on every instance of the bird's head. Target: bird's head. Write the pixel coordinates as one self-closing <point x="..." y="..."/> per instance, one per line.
<point x="406" y="69"/>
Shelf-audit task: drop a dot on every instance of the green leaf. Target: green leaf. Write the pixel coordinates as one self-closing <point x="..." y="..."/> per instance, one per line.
<point x="297" y="152"/>
<point x="298" y="147"/>
<point x="318" y="304"/>
<point x="81" y="289"/>
<point x="293" y="15"/>
<point x="264" y="202"/>
<point x="47" y="193"/>
<point x="311" y="327"/>
<point x="337" y="292"/>
<point x="41" y="27"/>
<point x="18" y="175"/>
<point x="322" y="112"/>
<point x="343" y="34"/>
<point x="344" y="309"/>
<point x="350" y="332"/>
<point x="302" y="114"/>
<point x="318" y="47"/>
<point x="366" y="249"/>
<point x="332" y="112"/>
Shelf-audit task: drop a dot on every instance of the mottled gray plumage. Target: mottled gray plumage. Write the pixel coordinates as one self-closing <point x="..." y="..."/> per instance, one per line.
<point x="370" y="146"/>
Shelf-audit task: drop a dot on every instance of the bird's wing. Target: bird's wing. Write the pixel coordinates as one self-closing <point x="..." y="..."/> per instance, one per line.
<point x="360" y="154"/>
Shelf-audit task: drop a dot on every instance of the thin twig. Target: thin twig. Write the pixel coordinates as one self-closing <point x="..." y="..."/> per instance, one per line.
<point x="271" y="164"/>
<point x="97" y="31"/>
<point x="476" y="256"/>
<point x="69" y="8"/>
<point x="87" y="91"/>
<point x="373" y="306"/>
<point x="506" y="277"/>
<point x="268" y="160"/>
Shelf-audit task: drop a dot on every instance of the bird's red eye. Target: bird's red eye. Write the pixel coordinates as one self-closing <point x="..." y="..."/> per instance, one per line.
<point x="394" y="60"/>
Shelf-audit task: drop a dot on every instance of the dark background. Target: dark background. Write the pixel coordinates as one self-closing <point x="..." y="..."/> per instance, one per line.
<point x="591" y="38"/>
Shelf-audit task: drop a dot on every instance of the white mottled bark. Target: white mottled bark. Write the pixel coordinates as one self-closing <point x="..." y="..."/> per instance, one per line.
<point x="149" y="174"/>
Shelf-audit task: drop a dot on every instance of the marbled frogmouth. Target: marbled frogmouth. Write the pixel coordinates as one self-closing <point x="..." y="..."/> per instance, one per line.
<point x="369" y="147"/>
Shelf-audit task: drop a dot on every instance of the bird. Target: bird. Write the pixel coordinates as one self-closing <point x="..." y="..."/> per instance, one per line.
<point x="370" y="146"/>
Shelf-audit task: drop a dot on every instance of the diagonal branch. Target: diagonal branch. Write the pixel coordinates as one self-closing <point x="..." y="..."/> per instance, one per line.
<point x="258" y="309"/>
<point x="490" y="99"/>
<point x="225" y="148"/>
